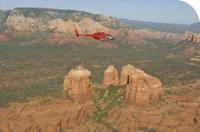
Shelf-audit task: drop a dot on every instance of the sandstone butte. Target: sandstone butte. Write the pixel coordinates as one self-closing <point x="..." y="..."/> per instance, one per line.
<point x="194" y="37"/>
<point x="78" y="83"/>
<point x="141" y="87"/>
<point x="126" y="73"/>
<point x="111" y="76"/>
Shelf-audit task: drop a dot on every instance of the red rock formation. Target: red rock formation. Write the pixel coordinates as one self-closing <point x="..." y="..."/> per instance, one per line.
<point x="56" y="116"/>
<point x="78" y="83"/>
<point x="192" y="48"/>
<point x="196" y="119"/>
<point x="111" y="76"/>
<point x="126" y="73"/>
<point x="142" y="87"/>
<point x="194" y="37"/>
<point x="21" y="22"/>
<point x="137" y="92"/>
<point x="155" y="86"/>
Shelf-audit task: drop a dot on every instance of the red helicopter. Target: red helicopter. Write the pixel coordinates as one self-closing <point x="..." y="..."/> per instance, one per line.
<point x="101" y="36"/>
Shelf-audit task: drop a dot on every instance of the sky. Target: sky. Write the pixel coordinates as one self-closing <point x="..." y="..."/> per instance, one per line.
<point x="165" y="11"/>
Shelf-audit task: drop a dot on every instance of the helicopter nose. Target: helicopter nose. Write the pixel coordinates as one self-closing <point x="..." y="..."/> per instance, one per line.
<point x="111" y="37"/>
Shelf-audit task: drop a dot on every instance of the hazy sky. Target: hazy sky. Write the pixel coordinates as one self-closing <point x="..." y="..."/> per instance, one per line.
<point x="167" y="11"/>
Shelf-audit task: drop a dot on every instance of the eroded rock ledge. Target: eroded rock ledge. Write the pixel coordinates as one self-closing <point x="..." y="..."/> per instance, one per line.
<point x="78" y="83"/>
<point x="194" y="37"/>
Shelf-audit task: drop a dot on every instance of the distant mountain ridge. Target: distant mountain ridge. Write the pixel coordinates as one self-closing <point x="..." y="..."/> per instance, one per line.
<point x="75" y="15"/>
<point x="62" y="23"/>
<point x="164" y="27"/>
<point x="196" y="24"/>
<point x="195" y="27"/>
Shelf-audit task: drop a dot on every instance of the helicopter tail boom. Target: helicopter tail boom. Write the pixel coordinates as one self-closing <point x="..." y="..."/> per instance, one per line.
<point x="77" y="34"/>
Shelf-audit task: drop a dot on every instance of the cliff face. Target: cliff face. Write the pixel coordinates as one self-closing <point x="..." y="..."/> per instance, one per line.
<point x="137" y="92"/>
<point x="78" y="83"/>
<point x="19" y="22"/>
<point x="111" y="76"/>
<point x="126" y="73"/>
<point x="65" y="21"/>
<point x="190" y="46"/>
<point x="193" y="37"/>
<point x="142" y="87"/>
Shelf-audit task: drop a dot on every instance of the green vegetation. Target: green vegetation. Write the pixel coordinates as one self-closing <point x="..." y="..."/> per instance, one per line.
<point x="31" y="67"/>
<point x="144" y="129"/>
<point x="160" y="101"/>
<point x="2" y="20"/>
<point x="105" y="100"/>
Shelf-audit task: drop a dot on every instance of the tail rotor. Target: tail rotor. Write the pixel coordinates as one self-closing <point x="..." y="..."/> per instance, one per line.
<point x="77" y="34"/>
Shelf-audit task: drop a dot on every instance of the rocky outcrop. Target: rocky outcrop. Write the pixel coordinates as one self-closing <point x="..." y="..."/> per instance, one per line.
<point x="111" y="76"/>
<point x="40" y="116"/>
<point x="18" y="22"/>
<point x="155" y="86"/>
<point x="196" y="119"/>
<point x="83" y="26"/>
<point x="78" y="84"/>
<point x="64" y="22"/>
<point x="21" y="21"/>
<point x="50" y="114"/>
<point x="190" y="47"/>
<point x="137" y="91"/>
<point x="194" y="37"/>
<point x="126" y="72"/>
<point x="142" y="87"/>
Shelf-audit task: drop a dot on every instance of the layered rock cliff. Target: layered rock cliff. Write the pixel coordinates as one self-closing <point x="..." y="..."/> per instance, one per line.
<point x="193" y="37"/>
<point x="78" y="84"/>
<point x="190" y="46"/>
<point x="111" y="76"/>
<point x="142" y="87"/>
<point x="66" y="21"/>
<point x="126" y="72"/>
